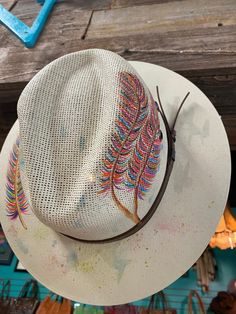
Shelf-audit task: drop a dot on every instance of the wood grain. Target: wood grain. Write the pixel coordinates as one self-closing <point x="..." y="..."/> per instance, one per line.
<point x="17" y="63"/>
<point x="8" y="4"/>
<point x="194" y="38"/>
<point x="162" y="18"/>
<point x="25" y="7"/>
<point x="187" y="52"/>
<point x="191" y="49"/>
<point x="131" y="3"/>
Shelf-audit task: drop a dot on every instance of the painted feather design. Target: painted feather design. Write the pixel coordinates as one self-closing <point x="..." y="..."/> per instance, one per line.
<point x="145" y="160"/>
<point x="135" y="131"/>
<point x="15" y="197"/>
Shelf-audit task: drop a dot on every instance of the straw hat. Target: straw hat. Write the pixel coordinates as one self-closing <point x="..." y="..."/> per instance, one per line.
<point x="90" y="203"/>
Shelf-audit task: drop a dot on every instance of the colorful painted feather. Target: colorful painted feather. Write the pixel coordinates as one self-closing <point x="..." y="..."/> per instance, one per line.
<point x="15" y="197"/>
<point x="134" y="136"/>
<point x="145" y="160"/>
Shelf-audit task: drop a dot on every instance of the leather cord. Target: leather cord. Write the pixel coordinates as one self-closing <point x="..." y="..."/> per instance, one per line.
<point x="194" y="293"/>
<point x="171" y="137"/>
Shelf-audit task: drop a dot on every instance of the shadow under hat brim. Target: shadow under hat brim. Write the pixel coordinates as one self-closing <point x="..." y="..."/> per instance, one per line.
<point x="169" y="244"/>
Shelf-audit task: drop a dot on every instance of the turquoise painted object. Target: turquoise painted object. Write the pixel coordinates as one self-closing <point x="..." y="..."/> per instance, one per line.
<point x="28" y="35"/>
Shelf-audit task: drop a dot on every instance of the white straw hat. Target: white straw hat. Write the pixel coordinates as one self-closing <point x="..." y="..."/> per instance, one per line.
<point x="86" y="202"/>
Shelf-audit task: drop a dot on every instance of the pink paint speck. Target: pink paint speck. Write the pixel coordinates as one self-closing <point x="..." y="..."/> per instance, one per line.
<point x="172" y="228"/>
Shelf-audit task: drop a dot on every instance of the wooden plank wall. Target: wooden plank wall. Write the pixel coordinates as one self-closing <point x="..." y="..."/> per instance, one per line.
<point x="195" y="38"/>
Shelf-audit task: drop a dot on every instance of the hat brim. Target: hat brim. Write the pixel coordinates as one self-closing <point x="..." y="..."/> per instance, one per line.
<point x="169" y="244"/>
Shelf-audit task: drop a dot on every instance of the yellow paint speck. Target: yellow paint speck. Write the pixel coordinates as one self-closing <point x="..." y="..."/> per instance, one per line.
<point x="85" y="267"/>
<point x="41" y="234"/>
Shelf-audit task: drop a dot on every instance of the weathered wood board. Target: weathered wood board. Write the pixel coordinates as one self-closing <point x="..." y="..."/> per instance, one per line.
<point x="195" y="38"/>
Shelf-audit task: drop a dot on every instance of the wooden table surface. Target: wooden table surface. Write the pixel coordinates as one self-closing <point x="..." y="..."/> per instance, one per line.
<point x="196" y="38"/>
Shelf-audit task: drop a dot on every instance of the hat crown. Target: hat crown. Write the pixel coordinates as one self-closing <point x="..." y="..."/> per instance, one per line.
<point x="90" y="144"/>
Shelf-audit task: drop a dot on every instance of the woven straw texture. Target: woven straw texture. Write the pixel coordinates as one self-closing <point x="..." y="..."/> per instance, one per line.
<point x="67" y="115"/>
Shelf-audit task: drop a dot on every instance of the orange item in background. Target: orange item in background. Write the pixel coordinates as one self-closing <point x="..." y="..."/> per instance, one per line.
<point x="225" y="234"/>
